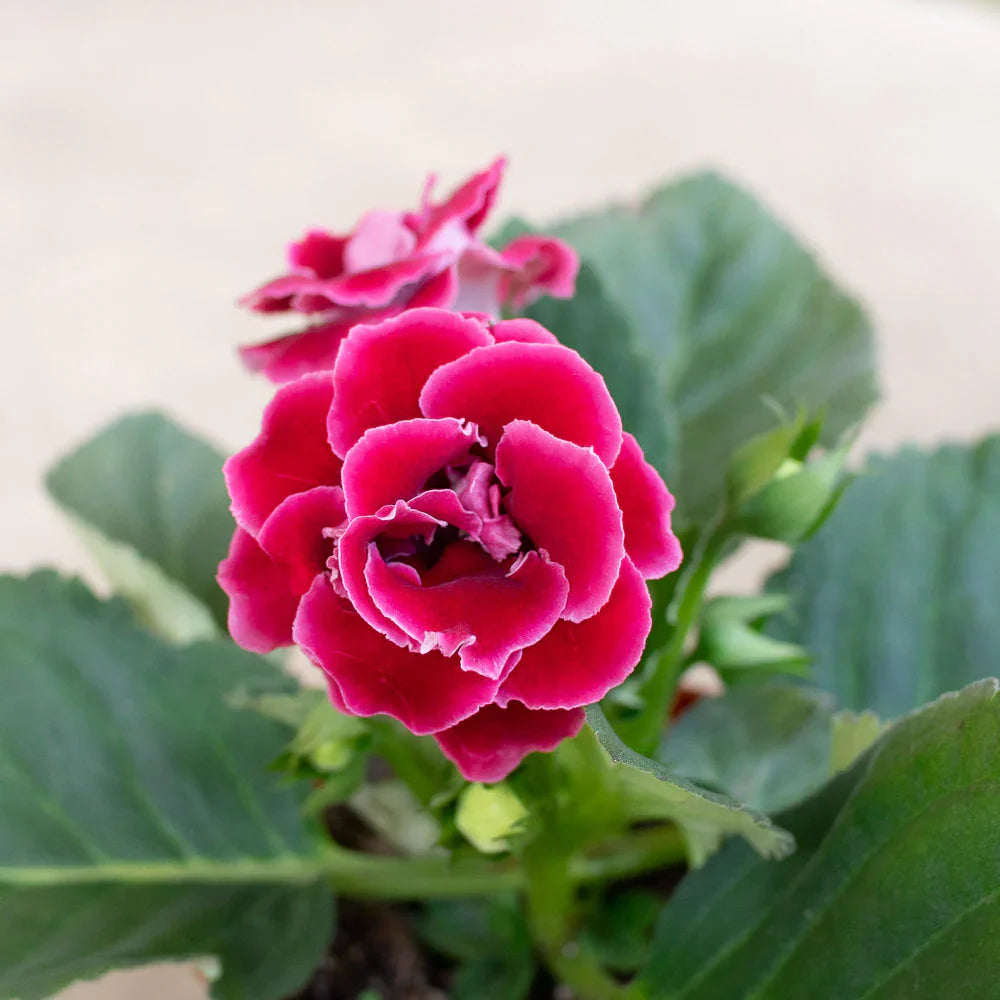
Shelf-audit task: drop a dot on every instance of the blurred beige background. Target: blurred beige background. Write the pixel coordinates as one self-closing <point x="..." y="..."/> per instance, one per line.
<point x="156" y="157"/>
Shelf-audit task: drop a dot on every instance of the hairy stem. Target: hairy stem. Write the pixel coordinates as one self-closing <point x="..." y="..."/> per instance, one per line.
<point x="643" y="731"/>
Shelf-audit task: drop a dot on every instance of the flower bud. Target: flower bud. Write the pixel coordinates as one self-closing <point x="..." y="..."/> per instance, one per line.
<point x="488" y="816"/>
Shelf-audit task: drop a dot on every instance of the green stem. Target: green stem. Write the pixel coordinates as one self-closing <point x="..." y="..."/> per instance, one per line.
<point x="551" y="904"/>
<point x="643" y="731"/>
<point x="352" y="873"/>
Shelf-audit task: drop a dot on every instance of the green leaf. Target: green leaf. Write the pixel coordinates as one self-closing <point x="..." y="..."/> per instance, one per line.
<point x="155" y="514"/>
<point x="728" y="309"/>
<point x="893" y="894"/>
<point x="491" y="941"/>
<point x="729" y="637"/>
<point x="619" y="931"/>
<point x="140" y="821"/>
<point x="768" y="744"/>
<point x="594" y="325"/>
<point x="896" y="596"/>
<point x="650" y="791"/>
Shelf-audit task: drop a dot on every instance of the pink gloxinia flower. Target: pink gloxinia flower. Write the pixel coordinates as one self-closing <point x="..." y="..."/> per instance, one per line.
<point x="453" y="526"/>
<point x="393" y="261"/>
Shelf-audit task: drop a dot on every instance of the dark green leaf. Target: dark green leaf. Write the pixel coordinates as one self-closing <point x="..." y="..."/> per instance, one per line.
<point x="728" y="310"/>
<point x="896" y="596"/>
<point x="619" y="931"/>
<point x="154" y="491"/>
<point x="893" y="893"/>
<point x="491" y="941"/>
<point x="594" y="325"/>
<point x="140" y="821"/>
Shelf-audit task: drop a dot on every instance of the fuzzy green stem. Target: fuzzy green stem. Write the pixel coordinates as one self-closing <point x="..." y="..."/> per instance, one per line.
<point x="643" y="731"/>
<point x="551" y="907"/>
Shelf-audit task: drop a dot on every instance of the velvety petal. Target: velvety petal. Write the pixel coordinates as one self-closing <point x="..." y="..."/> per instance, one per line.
<point x="318" y="253"/>
<point x="313" y="349"/>
<point x="438" y="291"/>
<point x="290" y="291"/>
<point x="262" y="604"/>
<point x="484" y="617"/>
<point x="355" y="547"/>
<point x="380" y="238"/>
<point x="526" y="331"/>
<point x="298" y="534"/>
<point x="490" y="744"/>
<point x="578" y="663"/>
<point x="290" y="455"/>
<point x="426" y="692"/>
<point x="381" y="369"/>
<point x="394" y="462"/>
<point x="380" y="285"/>
<point x="646" y="504"/>
<point x="537" y="265"/>
<point x="469" y="204"/>
<point x="479" y="492"/>
<point x="561" y="497"/>
<point x="548" y="384"/>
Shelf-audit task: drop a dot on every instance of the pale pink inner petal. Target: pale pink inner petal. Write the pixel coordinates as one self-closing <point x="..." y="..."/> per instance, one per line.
<point x="379" y="238"/>
<point x="478" y="492"/>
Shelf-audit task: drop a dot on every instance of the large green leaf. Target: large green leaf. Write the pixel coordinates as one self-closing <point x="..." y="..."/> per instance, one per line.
<point x="893" y="893"/>
<point x="728" y="309"/>
<point x="896" y="596"/>
<point x="155" y="513"/>
<point x="139" y="820"/>
<point x="768" y="744"/>
<point x="651" y="792"/>
<point x="597" y="327"/>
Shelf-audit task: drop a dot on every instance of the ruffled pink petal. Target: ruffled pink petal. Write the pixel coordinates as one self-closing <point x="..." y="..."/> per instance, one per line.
<point x="485" y="617"/>
<point x="298" y="534"/>
<point x="261" y="603"/>
<point x="561" y="497"/>
<point x="548" y="384"/>
<point x="578" y="663"/>
<point x="313" y="349"/>
<point x="290" y="455"/>
<point x="478" y="491"/>
<point x="395" y="461"/>
<point x="436" y="292"/>
<point x="490" y="744"/>
<point x="426" y="692"/>
<point x="356" y="546"/>
<point x="646" y="504"/>
<point x="470" y="204"/>
<point x="380" y="238"/>
<point x="526" y="331"/>
<point x="380" y="285"/>
<point x="381" y="369"/>
<point x="298" y="292"/>
<point x="534" y="266"/>
<point x="319" y="254"/>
